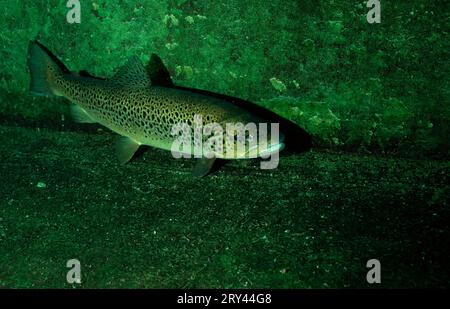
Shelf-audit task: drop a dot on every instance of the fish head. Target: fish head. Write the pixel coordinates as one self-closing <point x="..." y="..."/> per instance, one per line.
<point x="251" y="140"/>
<point x="266" y="145"/>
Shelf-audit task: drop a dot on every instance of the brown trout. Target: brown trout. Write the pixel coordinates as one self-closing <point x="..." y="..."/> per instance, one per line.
<point x="143" y="107"/>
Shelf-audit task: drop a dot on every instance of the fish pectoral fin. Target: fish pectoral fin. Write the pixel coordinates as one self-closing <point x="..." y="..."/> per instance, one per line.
<point x="80" y="115"/>
<point x="203" y="166"/>
<point x="125" y="149"/>
<point x="159" y="75"/>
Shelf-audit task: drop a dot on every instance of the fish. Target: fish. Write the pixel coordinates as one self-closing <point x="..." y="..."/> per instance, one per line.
<point x="143" y="106"/>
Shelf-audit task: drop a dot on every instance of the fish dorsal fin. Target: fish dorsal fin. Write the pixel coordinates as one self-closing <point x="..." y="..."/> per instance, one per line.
<point x="159" y="75"/>
<point x="132" y="73"/>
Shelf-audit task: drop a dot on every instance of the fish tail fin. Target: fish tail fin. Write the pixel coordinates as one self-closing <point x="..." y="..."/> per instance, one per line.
<point x="45" y="69"/>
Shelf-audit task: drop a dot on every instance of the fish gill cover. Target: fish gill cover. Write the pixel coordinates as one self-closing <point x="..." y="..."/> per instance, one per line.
<point x="354" y="86"/>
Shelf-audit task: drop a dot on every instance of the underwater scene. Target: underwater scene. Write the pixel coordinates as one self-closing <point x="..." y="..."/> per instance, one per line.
<point x="279" y="144"/>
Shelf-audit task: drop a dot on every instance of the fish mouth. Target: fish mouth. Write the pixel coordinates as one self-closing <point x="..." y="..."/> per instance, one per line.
<point x="264" y="150"/>
<point x="271" y="150"/>
<point x="267" y="152"/>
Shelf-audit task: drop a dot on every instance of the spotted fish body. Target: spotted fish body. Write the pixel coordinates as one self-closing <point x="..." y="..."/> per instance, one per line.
<point x="129" y="103"/>
<point x="146" y="115"/>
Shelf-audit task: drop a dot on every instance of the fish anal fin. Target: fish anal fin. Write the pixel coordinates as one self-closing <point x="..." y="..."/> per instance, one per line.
<point x="125" y="149"/>
<point x="158" y="73"/>
<point x="132" y="73"/>
<point x="203" y="167"/>
<point x="80" y="115"/>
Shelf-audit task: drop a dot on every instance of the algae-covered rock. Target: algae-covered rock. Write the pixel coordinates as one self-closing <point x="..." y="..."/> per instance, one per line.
<point x="278" y="84"/>
<point x="315" y="117"/>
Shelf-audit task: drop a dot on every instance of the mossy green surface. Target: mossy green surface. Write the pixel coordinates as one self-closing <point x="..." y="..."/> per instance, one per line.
<point x="375" y="97"/>
<point x="313" y="222"/>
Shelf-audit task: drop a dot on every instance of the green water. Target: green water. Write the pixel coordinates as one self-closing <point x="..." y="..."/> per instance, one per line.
<point x="374" y="98"/>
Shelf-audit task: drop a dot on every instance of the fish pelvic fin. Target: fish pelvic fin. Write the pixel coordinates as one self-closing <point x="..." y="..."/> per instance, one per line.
<point x="45" y="70"/>
<point x="125" y="149"/>
<point x="203" y="167"/>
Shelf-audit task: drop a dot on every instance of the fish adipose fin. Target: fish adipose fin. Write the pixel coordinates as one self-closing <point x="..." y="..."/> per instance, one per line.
<point x="158" y="73"/>
<point x="45" y="70"/>
<point x="80" y="115"/>
<point x="203" y="167"/>
<point x="125" y="149"/>
<point x="132" y="73"/>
